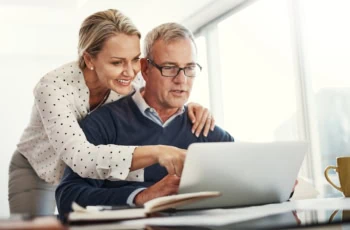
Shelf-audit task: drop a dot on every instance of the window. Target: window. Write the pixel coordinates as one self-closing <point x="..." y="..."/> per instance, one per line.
<point x="270" y="58"/>
<point x="327" y="54"/>
<point x="200" y="90"/>
<point x="258" y="76"/>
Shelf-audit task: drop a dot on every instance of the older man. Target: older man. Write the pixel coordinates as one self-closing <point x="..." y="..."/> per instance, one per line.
<point x="153" y="116"/>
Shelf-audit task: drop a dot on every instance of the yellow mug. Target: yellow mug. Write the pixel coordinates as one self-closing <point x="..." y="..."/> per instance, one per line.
<point x="343" y="170"/>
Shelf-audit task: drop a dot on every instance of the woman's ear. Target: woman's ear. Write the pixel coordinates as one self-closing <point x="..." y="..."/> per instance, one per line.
<point x="144" y="69"/>
<point x="88" y="61"/>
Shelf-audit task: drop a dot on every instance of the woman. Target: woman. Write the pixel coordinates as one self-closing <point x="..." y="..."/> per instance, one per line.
<point x="105" y="72"/>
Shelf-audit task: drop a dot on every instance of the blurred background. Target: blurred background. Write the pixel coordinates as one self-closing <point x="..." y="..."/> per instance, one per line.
<point x="273" y="69"/>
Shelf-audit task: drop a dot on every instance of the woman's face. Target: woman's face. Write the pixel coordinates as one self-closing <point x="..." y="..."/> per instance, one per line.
<point x="117" y="64"/>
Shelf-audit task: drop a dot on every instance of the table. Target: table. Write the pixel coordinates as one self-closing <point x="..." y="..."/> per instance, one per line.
<point x="331" y="213"/>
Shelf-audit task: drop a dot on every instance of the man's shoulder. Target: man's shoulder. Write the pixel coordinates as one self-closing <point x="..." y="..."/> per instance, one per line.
<point x="219" y="134"/>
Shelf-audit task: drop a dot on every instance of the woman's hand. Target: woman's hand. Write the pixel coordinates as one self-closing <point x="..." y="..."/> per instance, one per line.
<point x="201" y="118"/>
<point x="172" y="158"/>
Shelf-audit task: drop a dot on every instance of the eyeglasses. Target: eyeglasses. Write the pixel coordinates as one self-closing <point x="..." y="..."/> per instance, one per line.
<point x="173" y="71"/>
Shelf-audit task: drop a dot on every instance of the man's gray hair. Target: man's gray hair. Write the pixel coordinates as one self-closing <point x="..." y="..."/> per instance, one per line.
<point x="167" y="32"/>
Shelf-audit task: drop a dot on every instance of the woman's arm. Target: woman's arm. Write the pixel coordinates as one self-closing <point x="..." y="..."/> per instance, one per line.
<point x="99" y="129"/>
<point x="170" y="157"/>
<point x="57" y="105"/>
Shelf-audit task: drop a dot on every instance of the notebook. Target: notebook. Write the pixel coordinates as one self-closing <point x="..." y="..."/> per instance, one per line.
<point x="108" y="213"/>
<point x="244" y="173"/>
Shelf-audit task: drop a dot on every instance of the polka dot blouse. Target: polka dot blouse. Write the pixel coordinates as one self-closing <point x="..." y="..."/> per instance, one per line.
<point x="53" y="138"/>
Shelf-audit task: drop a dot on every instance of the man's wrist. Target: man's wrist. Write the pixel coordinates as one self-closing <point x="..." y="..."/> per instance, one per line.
<point x="138" y="200"/>
<point x="132" y="197"/>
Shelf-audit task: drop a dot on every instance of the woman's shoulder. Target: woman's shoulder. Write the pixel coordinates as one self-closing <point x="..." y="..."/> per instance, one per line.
<point x="66" y="71"/>
<point x="64" y="76"/>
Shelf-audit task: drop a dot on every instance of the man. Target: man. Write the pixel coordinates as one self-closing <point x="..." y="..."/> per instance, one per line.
<point x="154" y="116"/>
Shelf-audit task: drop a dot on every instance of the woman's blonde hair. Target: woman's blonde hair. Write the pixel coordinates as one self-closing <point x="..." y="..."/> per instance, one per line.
<point x="100" y="26"/>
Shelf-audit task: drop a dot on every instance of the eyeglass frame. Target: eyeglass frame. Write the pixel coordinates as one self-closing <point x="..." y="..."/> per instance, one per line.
<point x="160" y="68"/>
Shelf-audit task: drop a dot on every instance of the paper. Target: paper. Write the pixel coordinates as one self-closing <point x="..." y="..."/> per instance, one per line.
<point x="323" y="204"/>
<point x="219" y="217"/>
<point x="107" y="226"/>
<point x="214" y="217"/>
<point x="304" y="190"/>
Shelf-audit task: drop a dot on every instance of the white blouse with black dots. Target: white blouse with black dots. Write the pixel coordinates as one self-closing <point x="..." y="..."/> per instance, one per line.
<point x="54" y="138"/>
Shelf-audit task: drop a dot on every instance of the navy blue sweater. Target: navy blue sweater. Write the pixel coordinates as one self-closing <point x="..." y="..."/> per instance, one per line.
<point x="122" y="123"/>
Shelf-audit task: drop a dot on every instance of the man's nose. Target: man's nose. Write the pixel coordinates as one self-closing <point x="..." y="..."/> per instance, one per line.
<point x="181" y="77"/>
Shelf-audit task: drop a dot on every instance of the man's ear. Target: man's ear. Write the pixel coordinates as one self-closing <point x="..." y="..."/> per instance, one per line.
<point x="144" y="68"/>
<point x="88" y="60"/>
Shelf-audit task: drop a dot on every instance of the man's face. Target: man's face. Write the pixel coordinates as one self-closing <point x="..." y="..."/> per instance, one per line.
<point x="169" y="92"/>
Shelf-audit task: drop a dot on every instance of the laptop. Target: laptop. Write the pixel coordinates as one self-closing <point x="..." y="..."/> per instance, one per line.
<point x="245" y="173"/>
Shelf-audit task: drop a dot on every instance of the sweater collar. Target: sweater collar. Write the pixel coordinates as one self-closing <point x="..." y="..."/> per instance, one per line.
<point x="150" y="112"/>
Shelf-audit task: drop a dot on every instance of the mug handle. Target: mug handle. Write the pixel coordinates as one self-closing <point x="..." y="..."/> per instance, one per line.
<point x="329" y="180"/>
<point x="332" y="216"/>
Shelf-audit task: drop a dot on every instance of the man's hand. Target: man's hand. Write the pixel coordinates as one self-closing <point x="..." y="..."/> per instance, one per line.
<point x="171" y="158"/>
<point x="169" y="185"/>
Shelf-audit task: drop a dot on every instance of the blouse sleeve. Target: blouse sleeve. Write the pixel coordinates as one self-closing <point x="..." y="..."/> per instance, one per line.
<point x="60" y="119"/>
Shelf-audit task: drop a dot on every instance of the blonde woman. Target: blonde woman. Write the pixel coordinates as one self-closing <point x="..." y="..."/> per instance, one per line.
<point x="109" y="61"/>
